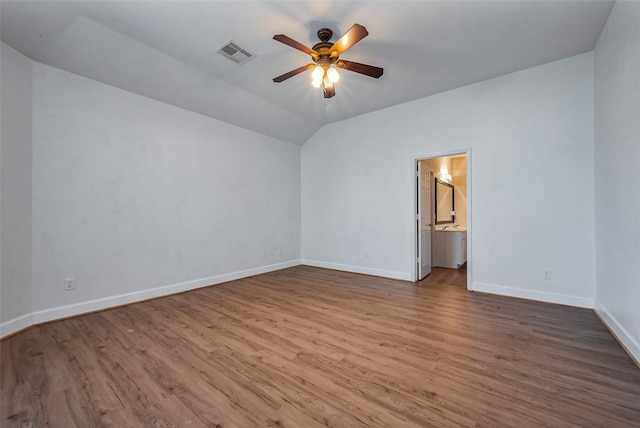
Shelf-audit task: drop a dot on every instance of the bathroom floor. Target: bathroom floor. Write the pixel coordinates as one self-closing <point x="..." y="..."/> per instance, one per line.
<point x="446" y="276"/>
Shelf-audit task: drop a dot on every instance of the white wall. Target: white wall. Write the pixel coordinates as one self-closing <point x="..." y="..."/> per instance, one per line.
<point x="617" y="182"/>
<point x="531" y="135"/>
<point x="135" y="198"/>
<point x="15" y="189"/>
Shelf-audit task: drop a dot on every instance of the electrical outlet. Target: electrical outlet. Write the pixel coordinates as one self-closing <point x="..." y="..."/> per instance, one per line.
<point x="279" y="252"/>
<point x="69" y="284"/>
<point x="546" y="274"/>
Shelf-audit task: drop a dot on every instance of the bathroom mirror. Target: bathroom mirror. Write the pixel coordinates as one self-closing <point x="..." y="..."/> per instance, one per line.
<point x="444" y="206"/>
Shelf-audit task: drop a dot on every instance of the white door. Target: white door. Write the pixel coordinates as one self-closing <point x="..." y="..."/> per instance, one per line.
<point x="423" y="217"/>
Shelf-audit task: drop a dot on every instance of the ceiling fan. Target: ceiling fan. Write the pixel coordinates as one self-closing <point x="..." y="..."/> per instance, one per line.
<point x="325" y="56"/>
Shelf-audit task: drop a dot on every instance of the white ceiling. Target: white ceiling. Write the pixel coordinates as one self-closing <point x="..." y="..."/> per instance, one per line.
<point x="165" y="50"/>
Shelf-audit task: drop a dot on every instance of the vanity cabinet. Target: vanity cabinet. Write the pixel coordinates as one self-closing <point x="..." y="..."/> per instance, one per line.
<point x="449" y="248"/>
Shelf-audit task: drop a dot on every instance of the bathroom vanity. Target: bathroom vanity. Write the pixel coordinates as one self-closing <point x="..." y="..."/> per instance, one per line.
<point x="450" y="248"/>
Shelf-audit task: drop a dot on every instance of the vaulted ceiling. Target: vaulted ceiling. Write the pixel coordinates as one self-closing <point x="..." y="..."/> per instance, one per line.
<point x="166" y="50"/>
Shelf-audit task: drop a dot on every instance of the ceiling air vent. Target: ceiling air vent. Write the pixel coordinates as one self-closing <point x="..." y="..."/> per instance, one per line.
<point x="234" y="52"/>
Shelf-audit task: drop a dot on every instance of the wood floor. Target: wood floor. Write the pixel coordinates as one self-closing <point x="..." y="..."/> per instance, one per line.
<point x="307" y="347"/>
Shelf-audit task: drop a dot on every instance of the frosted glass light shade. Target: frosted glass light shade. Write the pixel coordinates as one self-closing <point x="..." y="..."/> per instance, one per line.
<point x="317" y="73"/>
<point x="332" y="74"/>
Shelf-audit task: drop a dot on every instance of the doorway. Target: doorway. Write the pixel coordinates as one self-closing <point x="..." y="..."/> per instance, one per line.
<point x="442" y="216"/>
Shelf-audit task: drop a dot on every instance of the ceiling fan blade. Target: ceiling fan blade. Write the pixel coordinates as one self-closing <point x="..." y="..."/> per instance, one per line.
<point x="367" y="70"/>
<point x="296" y="45"/>
<point x="329" y="91"/>
<point x="292" y="73"/>
<point x="356" y="33"/>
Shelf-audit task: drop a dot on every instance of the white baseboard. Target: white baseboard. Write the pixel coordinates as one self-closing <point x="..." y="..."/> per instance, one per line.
<point x="15" y="325"/>
<point x="51" y="314"/>
<point x="541" y="296"/>
<point x="628" y="342"/>
<point x="359" y="269"/>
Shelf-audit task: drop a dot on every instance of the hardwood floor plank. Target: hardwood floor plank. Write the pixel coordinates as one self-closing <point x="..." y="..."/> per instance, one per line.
<point x="312" y="347"/>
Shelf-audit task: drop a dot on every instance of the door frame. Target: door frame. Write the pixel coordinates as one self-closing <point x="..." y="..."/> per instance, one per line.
<point x="414" y="233"/>
<point x="420" y="250"/>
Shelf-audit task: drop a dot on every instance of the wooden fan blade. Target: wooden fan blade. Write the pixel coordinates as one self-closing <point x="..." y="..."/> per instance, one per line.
<point x="296" y="45"/>
<point x="292" y="73"/>
<point x="356" y="33"/>
<point x="367" y="70"/>
<point x="329" y="91"/>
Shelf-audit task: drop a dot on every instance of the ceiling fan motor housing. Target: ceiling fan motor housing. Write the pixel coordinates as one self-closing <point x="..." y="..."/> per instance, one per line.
<point x="324" y="58"/>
